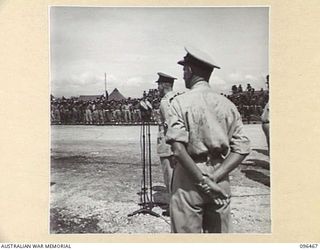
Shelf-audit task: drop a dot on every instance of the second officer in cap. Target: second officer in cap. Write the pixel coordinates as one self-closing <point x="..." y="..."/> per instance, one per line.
<point x="208" y="142"/>
<point x="165" y="87"/>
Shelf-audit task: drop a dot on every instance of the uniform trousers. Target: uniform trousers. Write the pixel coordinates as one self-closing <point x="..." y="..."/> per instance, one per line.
<point x="166" y="164"/>
<point x="192" y="211"/>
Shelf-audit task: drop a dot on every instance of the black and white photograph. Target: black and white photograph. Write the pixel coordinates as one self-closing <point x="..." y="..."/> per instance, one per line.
<point x="159" y="120"/>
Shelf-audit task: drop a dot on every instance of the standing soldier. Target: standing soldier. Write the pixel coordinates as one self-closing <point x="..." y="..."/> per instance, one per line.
<point x="208" y="142"/>
<point x="108" y="113"/>
<point x="75" y="117"/>
<point x="165" y="85"/>
<point x="57" y="113"/>
<point x="100" y="112"/>
<point x="52" y="109"/>
<point x="88" y="113"/>
<point x="95" y="113"/>
<point x="117" y="112"/>
<point x="126" y="112"/>
<point x="137" y="112"/>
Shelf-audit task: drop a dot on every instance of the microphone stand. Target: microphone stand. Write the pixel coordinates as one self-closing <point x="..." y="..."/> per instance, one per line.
<point x="146" y="205"/>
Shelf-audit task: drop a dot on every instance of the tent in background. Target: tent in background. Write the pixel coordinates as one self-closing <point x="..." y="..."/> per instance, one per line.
<point x="116" y="96"/>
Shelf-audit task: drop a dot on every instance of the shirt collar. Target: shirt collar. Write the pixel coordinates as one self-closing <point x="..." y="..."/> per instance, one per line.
<point x="199" y="84"/>
<point x="169" y="95"/>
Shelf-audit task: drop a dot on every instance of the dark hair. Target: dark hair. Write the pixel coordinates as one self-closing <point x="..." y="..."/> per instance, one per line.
<point x="201" y="69"/>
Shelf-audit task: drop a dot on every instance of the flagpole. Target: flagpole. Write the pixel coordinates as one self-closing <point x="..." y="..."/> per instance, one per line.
<point x="105" y="85"/>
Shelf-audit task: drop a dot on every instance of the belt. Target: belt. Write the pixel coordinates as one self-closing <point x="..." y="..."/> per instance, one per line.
<point x="204" y="157"/>
<point x="200" y="158"/>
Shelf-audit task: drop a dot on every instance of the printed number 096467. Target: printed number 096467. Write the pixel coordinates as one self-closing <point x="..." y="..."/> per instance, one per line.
<point x="305" y="245"/>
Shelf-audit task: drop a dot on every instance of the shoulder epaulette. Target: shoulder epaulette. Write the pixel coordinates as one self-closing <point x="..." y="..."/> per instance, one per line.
<point x="176" y="94"/>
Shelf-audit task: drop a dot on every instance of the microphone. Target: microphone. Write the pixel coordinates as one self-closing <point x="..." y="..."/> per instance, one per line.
<point x="146" y="109"/>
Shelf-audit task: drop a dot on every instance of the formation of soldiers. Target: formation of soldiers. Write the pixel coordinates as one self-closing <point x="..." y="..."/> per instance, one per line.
<point x="250" y="103"/>
<point x="99" y="112"/>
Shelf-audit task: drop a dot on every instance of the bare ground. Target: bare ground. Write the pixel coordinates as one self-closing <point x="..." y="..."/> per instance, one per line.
<point x="96" y="182"/>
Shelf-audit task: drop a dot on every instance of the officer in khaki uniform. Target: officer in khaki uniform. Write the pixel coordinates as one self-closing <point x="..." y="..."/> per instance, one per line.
<point x="206" y="134"/>
<point x="165" y="85"/>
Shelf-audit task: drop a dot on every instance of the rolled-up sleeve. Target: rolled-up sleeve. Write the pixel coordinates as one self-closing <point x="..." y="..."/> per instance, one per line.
<point x="177" y="130"/>
<point x="239" y="142"/>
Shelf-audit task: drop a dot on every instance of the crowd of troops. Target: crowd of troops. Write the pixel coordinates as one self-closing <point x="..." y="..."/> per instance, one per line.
<point x="250" y="103"/>
<point x="73" y="111"/>
<point x="99" y="112"/>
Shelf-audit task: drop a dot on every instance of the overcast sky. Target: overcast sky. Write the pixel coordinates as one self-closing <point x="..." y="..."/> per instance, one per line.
<point x="132" y="44"/>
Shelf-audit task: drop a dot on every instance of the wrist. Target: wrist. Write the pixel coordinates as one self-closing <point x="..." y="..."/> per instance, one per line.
<point x="212" y="177"/>
<point x="203" y="181"/>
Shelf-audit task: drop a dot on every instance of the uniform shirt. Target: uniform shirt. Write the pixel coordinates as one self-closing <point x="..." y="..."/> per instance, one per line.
<point x="164" y="149"/>
<point x="206" y="123"/>
<point x="125" y="107"/>
<point x="165" y="106"/>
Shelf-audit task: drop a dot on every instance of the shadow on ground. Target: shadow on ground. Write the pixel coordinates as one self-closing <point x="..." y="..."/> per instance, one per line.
<point x="257" y="163"/>
<point x="257" y="176"/>
<point x="160" y="197"/>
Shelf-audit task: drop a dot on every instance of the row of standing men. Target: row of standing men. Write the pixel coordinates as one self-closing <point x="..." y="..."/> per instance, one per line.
<point x="96" y="114"/>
